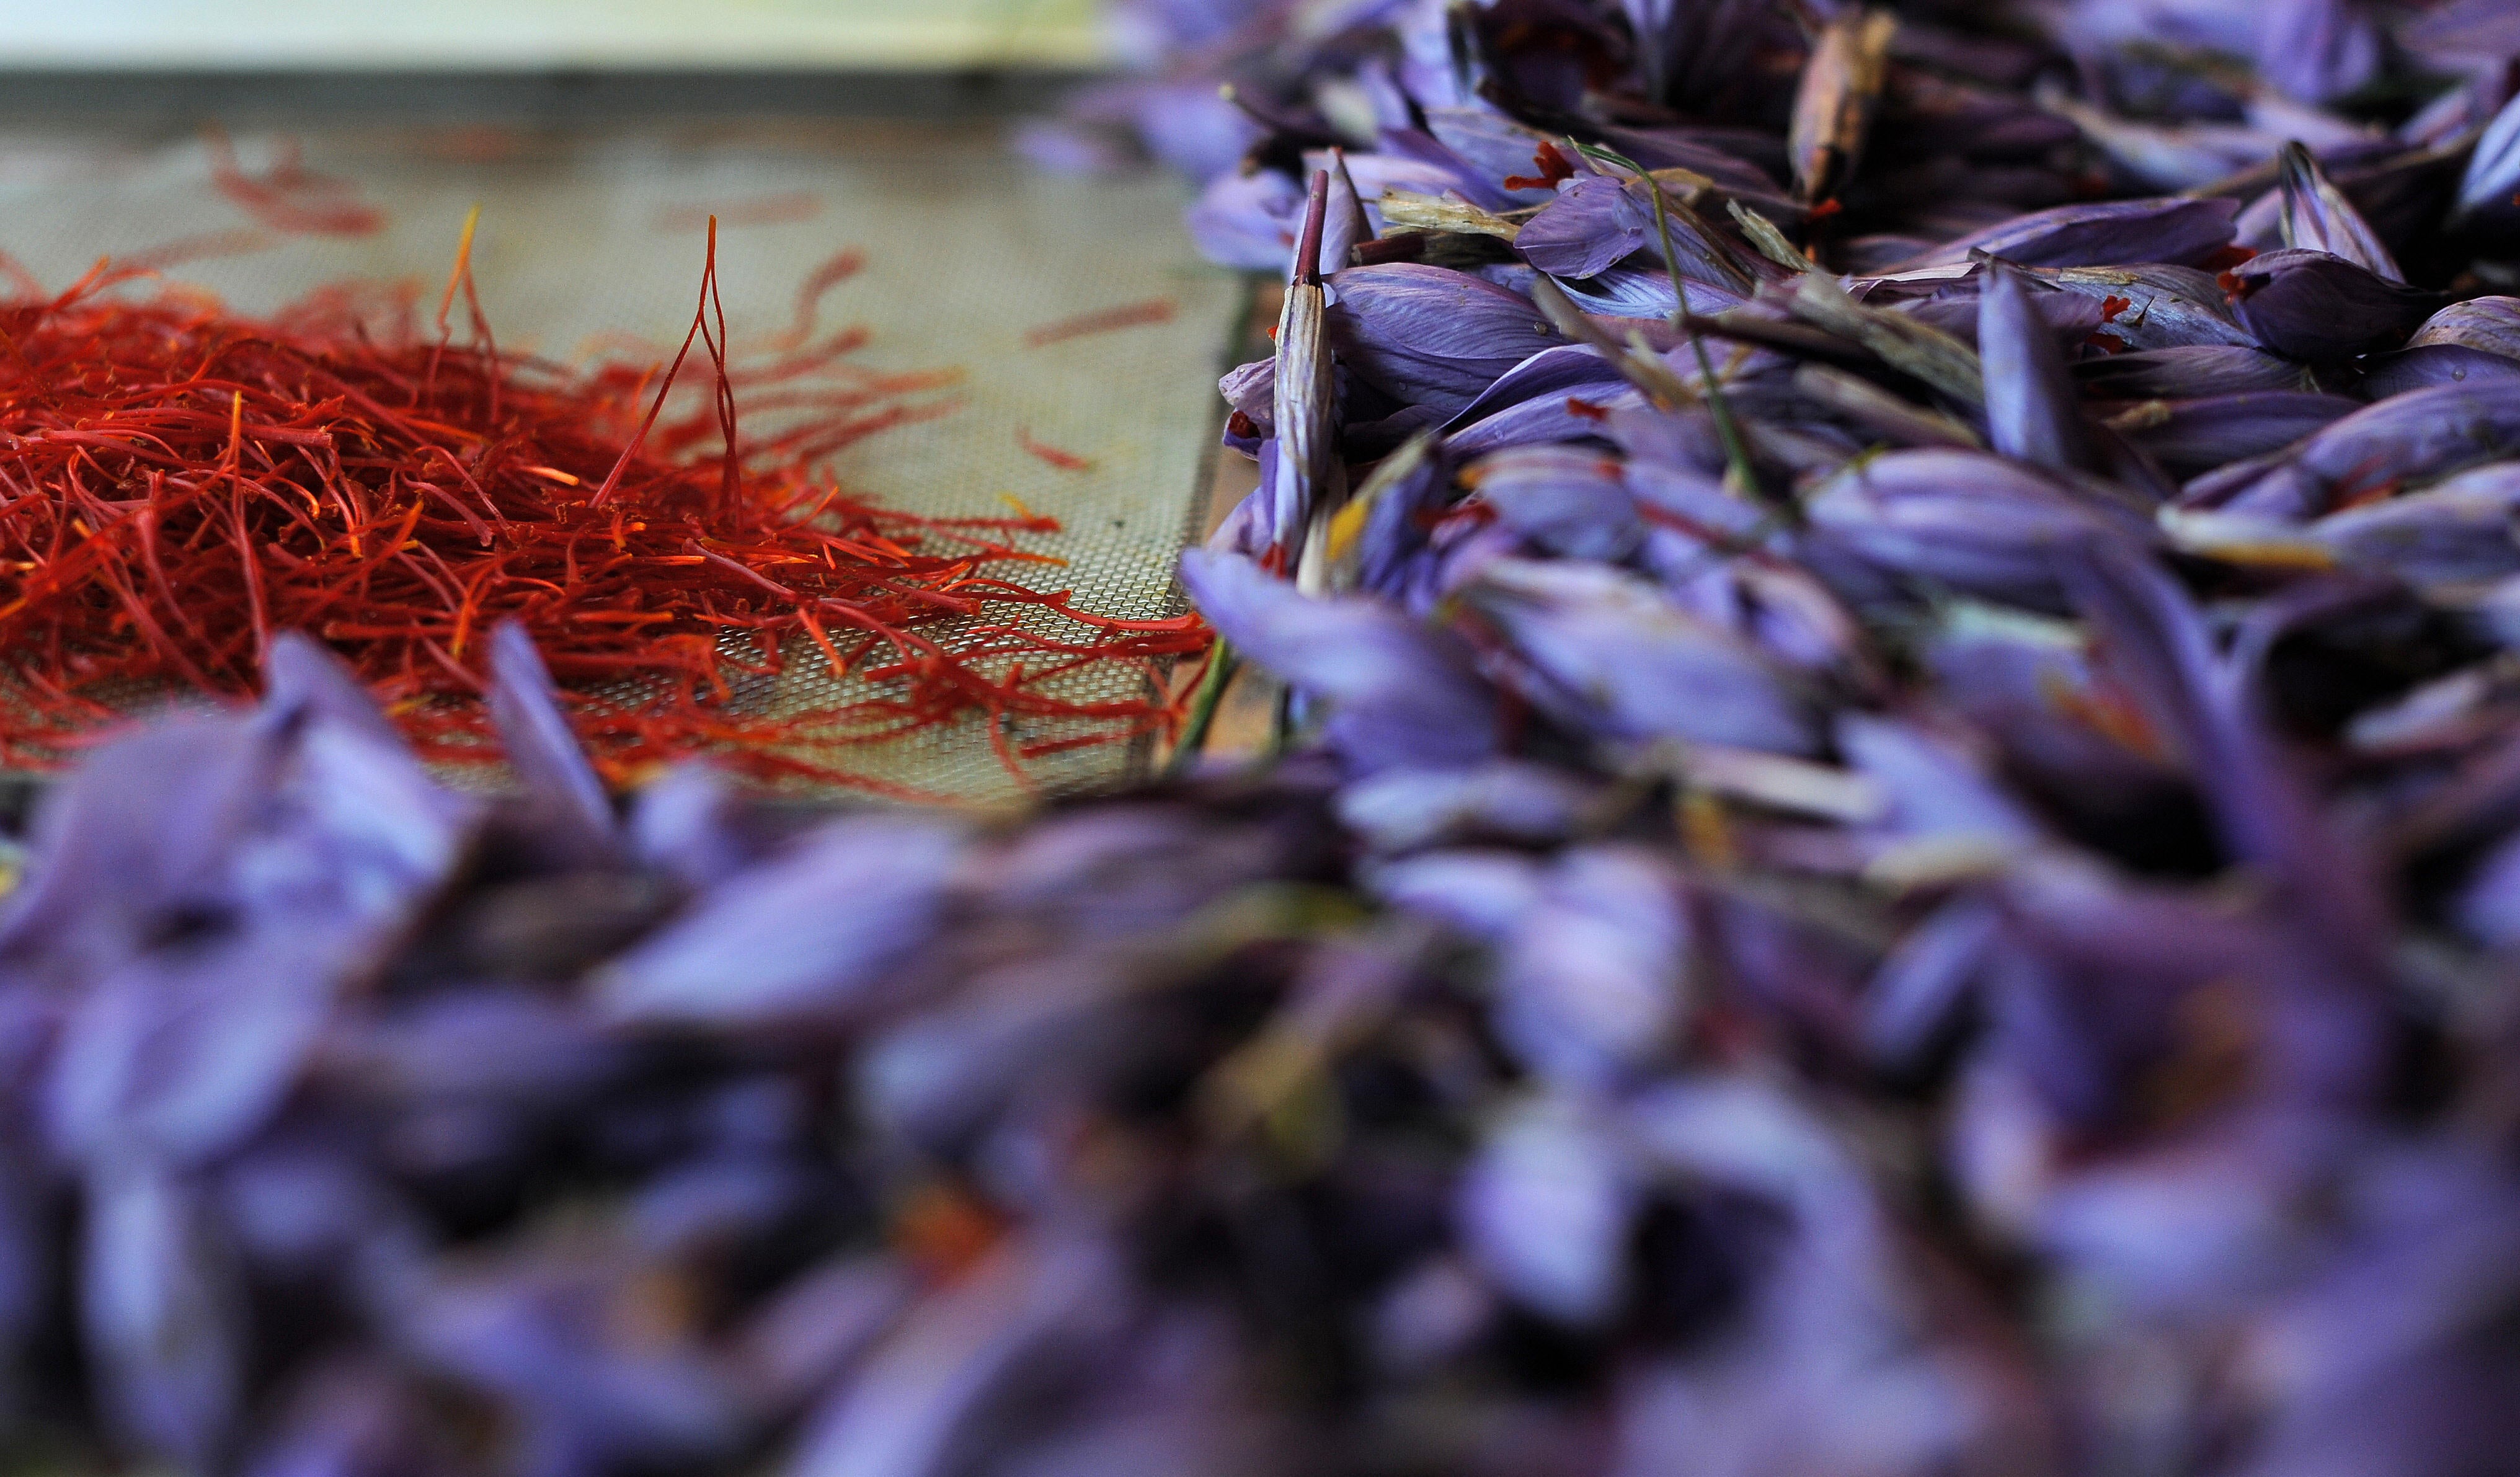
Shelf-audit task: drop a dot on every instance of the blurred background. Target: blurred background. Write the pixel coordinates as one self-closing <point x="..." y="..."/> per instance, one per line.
<point x="533" y="35"/>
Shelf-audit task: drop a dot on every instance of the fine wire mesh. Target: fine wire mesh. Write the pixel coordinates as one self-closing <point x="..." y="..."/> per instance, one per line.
<point x="590" y="236"/>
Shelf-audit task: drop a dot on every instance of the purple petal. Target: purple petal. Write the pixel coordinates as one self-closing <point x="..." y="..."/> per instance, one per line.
<point x="1401" y="695"/>
<point x="2193" y="435"/>
<point x="160" y="1316"/>
<point x="1606" y="651"/>
<point x="1563" y="499"/>
<point x="1591" y="225"/>
<point x="2162" y="230"/>
<point x="1431" y="336"/>
<point x="2311" y="305"/>
<point x="2411" y="437"/>
<point x="805" y="935"/>
<point x="2032" y="412"/>
<point x="564" y="803"/>
<point x="1544" y="1212"/>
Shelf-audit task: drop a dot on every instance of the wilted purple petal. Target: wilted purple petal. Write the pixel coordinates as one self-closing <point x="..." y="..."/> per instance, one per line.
<point x="2152" y="306"/>
<point x="2316" y="217"/>
<point x="2187" y="371"/>
<point x="1001" y="1328"/>
<point x="1499" y="148"/>
<point x="2458" y="531"/>
<point x="1248" y="220"/>
<point x="538" y="1333"/>
<point x="819" y="1325"/>
<point x="2317" y="50"/>
<point x="1403" y="809"/>
<point x="2432" y="365"/>
<point x="1593" y="979"/>
<point x="183" y="1052"/>
<point x="2492" y="178"/>
<point x="1937" y="789"/>
<point x="302" y="676"/>
<point x="692" y="823"/>
<point x="1592" y="224"/>
<point x="1965" y="519"/>
<point x="137" y="835"/>
<point x="2192" y="436"/>
<point x="2489" y="325"/>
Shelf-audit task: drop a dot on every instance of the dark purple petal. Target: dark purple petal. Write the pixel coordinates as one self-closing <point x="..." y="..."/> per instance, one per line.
<point x="2311" y="305"/>
<point x="2458" y="531"/>
<point x="2193" y="435"/>
<point x="2164" y="230"/>
<point x="2487" y="325"/>
<point x="2408" y="438"/>
<point x="2187" y="371"/>
<point x="2032" y="411"/>
<point x="2433" y="365"/>
<point x="2316" y="217"/>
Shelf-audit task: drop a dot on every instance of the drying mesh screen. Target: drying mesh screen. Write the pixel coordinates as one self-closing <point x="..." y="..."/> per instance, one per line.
<point x="587" y="236"/>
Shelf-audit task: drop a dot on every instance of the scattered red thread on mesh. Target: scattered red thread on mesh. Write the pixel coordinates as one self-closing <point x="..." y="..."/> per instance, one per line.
<point x="179" y="483"/>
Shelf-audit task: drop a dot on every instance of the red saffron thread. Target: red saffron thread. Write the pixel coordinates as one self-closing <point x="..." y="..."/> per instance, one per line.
<point x="1128" y="315"/>
<point x="178" y="483"/>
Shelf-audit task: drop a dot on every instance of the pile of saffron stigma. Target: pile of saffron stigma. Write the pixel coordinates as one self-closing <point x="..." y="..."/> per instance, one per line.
<point x="181" y="485"/>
